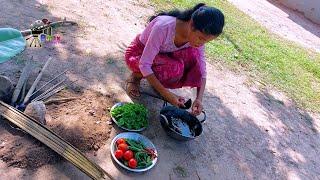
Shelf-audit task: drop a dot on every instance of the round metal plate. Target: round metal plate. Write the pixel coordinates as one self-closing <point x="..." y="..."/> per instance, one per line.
<point x="137" y="137"/>
<point x="115" y="121"/>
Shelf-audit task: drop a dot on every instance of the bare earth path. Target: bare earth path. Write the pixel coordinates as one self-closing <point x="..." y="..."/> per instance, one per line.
<point x="252" y="132"/>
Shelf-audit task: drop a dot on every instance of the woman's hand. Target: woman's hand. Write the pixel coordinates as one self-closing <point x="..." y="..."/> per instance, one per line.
<point x="197" y="107"/>
<point x="168" y="96"/>
<point x="175" y="100"/>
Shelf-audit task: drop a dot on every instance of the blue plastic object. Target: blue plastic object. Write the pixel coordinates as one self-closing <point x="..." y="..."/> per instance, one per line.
<point x="11" y="43"/>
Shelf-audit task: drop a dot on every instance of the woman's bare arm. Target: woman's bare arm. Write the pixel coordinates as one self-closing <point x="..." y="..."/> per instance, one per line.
<point x="201" y="89"/>
<point x="170" y="97"/>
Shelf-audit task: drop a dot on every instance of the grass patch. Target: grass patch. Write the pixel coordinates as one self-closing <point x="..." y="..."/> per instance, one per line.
<point x="246" y="44"/>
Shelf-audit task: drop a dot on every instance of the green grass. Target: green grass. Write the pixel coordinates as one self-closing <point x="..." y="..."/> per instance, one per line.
<point x="267" y="57"/>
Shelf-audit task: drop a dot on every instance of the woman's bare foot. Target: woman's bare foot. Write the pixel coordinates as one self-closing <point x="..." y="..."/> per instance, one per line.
<point x="133" y="86"/>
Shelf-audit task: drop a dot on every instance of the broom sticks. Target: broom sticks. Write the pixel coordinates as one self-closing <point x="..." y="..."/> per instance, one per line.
<point x="49" y="82"/>
<point x="49" y="90"/>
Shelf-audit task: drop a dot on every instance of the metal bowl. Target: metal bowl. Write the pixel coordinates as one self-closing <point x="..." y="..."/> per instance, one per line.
<point x="167" y="114"/>
<point x="137" y="137"/>
<point x="116" y="122"/>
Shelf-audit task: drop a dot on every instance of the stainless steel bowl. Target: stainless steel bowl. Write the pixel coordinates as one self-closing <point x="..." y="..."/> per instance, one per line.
<point x="115" y="121"/>
<point x="137" y="137"/>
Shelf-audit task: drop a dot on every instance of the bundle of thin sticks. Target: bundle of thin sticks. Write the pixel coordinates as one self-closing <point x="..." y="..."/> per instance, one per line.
<point x="53" y="141"/>
<point x="33" y="94"/>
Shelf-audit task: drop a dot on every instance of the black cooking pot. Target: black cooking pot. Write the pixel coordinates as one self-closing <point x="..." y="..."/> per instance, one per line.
<point x="169" y="114"/>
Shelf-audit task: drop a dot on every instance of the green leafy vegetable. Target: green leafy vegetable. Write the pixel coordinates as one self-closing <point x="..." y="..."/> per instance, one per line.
<point x="131" y="116"/>
<point x="143" y="155"/>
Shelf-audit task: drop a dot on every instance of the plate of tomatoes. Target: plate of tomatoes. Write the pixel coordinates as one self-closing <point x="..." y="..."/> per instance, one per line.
<point x="133" y="152"/>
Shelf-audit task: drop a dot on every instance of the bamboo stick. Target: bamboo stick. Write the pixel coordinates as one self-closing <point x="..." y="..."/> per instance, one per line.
<point x="49" y="82"/>
<point x="23" y="78"/>
<point x="46" y="96"/>
<point x="47" y="91"/>
<point x="26" y="32"/>
<point x="50" y="101"/>
<point x="23" y="92"/>
<point x="26" y="99"/>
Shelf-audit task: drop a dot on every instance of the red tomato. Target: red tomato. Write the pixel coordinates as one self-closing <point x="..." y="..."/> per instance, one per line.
<point x="118" y="154"/>
<point x="128" y="155"/>
<point x="120" y="141"/>
<point x="132" y="163"/>
<point x="123" y="147"/>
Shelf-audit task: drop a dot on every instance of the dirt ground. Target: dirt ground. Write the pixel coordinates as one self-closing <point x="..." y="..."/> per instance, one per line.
<point x="252" y="131"/>
<point x="83" y="122"/>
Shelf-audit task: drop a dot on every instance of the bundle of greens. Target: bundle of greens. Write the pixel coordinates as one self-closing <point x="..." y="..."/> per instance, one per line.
<point x="131" y="116"/>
